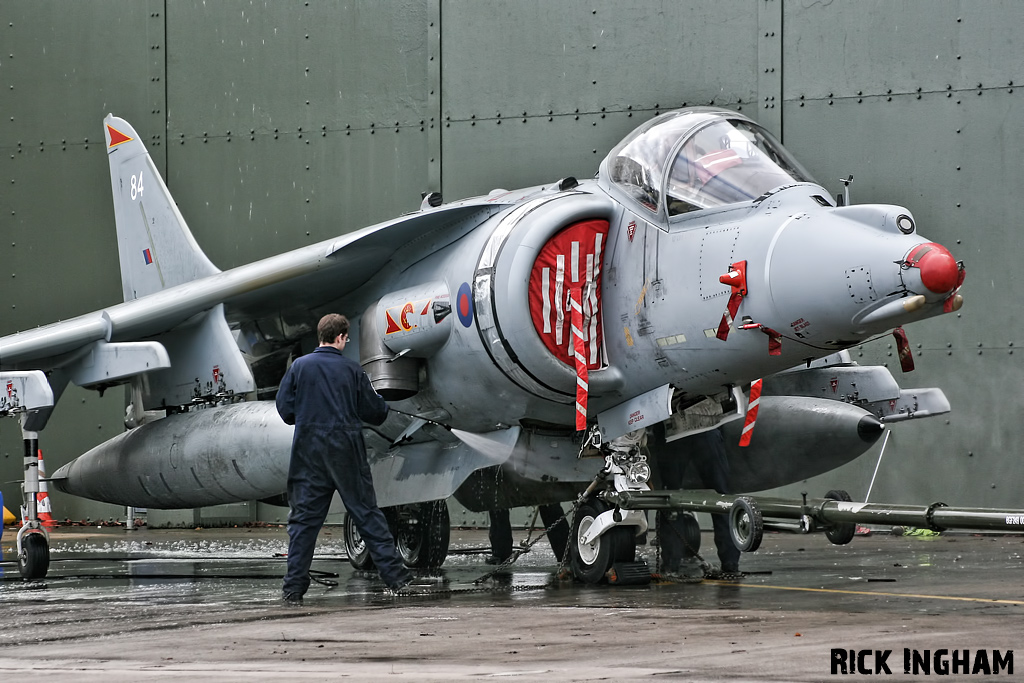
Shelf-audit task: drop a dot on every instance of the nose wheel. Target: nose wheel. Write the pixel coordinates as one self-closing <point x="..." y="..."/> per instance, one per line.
<point x="591" y="561"/>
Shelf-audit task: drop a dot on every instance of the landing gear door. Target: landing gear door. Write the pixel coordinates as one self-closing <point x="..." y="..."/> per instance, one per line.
<point x="705" y="415"/>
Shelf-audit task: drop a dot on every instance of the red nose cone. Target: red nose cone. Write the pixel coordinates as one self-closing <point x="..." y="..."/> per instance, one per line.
<point x="939" y="271"/>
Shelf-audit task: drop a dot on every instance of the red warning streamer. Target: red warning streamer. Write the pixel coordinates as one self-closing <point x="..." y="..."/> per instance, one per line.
<point x="903" y="347"/>
<point x="774" y="341"/>
<point x="774" y="338"/>
<point x="737" y="279"/>
<point x="579" y="349"/>
<point x="752" y="406"/>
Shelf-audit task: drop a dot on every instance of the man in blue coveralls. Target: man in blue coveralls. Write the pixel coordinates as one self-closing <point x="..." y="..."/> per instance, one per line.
<point x="706" y="451"/>
<point x="327" y="397"/>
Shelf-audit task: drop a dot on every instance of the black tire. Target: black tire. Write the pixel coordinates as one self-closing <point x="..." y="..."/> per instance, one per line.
<point x="746" y="525"/>
<point x="591" y="561"/>
<point x="355" y="547"/>
<point x="840" y="533"/>
<point x="34" y="560"/>
<point x="422" y="532"/>
<point x="691" y="532"/>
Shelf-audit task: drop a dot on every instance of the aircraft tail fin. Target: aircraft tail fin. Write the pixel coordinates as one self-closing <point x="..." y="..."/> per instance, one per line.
<point x="155" y="246"/>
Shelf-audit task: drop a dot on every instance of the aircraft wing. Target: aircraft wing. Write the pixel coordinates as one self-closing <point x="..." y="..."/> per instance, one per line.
<point x="178" y="307"/>
<point x="333" y="268"/>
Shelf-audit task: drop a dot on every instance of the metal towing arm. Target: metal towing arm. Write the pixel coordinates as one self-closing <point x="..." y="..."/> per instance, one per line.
<point x="835" y="515"/>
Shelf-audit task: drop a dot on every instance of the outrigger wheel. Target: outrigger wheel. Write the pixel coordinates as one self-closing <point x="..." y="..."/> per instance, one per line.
<point x="34" y="560"/>
<point x="745" y="524"/>
<point x="840" y="533"/>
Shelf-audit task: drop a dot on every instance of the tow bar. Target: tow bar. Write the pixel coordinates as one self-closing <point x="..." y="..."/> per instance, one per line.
<point x="835" y="514"/>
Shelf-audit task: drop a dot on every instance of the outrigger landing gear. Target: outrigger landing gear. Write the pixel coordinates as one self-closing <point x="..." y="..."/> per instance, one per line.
<point x="33" y="541"/>
<point x="27" y="395"/>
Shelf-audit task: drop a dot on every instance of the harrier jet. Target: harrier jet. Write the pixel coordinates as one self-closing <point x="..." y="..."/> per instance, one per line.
<point x="512" y="333"/>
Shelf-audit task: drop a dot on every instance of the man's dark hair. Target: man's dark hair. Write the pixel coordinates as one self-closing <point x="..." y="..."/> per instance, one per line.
<point x="330" y="326"/>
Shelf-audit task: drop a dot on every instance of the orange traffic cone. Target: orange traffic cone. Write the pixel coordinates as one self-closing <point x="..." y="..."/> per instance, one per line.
<point x="42" y="500"/>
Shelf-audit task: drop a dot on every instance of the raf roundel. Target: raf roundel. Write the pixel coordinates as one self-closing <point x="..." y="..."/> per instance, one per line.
<point x="464" y="305"/>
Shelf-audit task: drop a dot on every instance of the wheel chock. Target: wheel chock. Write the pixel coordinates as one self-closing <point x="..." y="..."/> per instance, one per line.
<point x="629" y="574"/>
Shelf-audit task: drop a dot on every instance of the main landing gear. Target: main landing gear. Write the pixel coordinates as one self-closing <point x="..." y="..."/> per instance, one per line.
<point x="422" y="533"/>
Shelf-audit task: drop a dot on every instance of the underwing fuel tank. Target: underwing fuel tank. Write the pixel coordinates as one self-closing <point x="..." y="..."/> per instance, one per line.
<point x="229" y="453"/>
<point x="796" y="437"/>
<point x="802" y="437"/>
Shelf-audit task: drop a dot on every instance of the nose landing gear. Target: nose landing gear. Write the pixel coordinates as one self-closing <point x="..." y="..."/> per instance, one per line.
<point x="604" y="535"/>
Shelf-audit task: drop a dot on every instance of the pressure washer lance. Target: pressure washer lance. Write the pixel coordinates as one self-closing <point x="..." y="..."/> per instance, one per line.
<point x="400" y="438"/>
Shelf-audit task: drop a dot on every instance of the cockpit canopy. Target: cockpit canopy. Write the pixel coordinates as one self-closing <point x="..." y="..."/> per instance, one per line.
<point x="699" y="158"/>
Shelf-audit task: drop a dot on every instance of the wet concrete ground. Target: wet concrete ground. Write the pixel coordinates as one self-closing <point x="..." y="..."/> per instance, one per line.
<point x="205" y="605"/>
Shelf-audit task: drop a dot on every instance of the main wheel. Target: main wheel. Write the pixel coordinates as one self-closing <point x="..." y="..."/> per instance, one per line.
<point x="34" y="560"/>
<point x="745" y="524"/>
<point x="591" y="561"/>
<point x="422" y="532"/>
<point x="355" y="547"/>
<point x="842" y="532"/>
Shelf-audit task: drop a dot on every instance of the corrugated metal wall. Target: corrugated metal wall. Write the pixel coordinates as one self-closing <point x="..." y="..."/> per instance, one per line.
<point x="281" y="123"/>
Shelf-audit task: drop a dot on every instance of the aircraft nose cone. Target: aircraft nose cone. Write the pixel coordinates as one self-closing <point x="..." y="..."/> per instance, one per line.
<point x="939" y="270"/>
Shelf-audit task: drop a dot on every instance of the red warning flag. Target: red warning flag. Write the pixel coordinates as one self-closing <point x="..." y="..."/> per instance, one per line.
<point x="752" y="406"/>
<point x="774" y="341"/>
<point x="579" y="351"/>
<point x="903" y="349"/>
<point x="117" y="137"/>
<point x="736" y="278"/>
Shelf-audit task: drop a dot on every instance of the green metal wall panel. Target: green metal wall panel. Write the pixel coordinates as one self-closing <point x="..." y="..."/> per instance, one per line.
<point x="241" y="65"/>
<point x="873" y="46"/>
<point x="312" y="124"/>
<point x="574" y="146"/>
<point x="255" y="196"/>
<point x="538" y="57"/>
<point x="63" y="66"/>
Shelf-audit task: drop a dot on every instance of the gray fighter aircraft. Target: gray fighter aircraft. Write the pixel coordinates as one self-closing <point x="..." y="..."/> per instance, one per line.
<point x="512" y="333"/>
